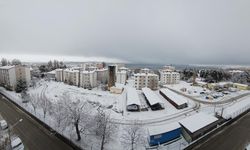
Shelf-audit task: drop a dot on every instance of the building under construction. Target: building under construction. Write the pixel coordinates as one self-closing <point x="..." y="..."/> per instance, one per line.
<point x="112" y="76"/>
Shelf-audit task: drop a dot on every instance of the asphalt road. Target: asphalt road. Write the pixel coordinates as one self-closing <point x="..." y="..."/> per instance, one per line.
<point x="33" y="135"/>
<point x="233" y="137"/>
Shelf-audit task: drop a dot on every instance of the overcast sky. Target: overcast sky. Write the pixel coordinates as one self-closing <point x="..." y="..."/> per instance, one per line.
<point x="140" y="31"/>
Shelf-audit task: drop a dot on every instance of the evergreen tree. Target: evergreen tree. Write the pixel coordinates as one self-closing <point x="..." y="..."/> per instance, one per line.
<point x="21" y="86"/>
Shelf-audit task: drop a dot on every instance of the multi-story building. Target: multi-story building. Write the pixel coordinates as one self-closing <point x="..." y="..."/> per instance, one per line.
<point x="168" y="76"/>
<point x="59" y="75"/>
<point x="121" y="77"/>
<point x="85" y="79"/>
<point x="71" y="77"/>
<point x="112" y="75"/>
<point x="88" y="79"/>
<point x="10" y="75"/>
<point x="149" y="80"/>
<point x="102" y="75"/>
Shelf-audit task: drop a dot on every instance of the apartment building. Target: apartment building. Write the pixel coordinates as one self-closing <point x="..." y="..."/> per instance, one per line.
<point x="167" y="77"/>
<point x="10" y="75"/>
<point x="85" y="79"/>
<point x="88" y="79"/>
<point x="71" y="77"/>
<point x="59" y="75"/>
<point x="102" y="75"/>
<point x="149" y="80"/>
<point x="121" y="77"/>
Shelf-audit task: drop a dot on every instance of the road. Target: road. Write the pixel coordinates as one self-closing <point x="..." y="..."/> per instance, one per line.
<point x="33" y="135"/>
<point x="233" y="137"/>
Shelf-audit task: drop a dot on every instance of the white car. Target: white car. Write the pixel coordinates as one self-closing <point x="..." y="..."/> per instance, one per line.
<point x="3" y="124"/>
<point x="16" y="144"/>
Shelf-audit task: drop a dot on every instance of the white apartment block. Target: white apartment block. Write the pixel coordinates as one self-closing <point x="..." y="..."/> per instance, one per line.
<point x="59" y="75"/>
<point x="169" y="77"/>
<point x="85" y="79"/>
<point x="88" y="79"/>
<point x="102" y="75"/>
<point x="9" y="75"/>
<point x="149" y="80"/>
<point x="121" y="77"/>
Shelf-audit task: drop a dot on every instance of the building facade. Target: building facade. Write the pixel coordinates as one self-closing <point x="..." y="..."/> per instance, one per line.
<point x="10" y="75"/>
<point x="88" y="79"/>
<point x="149" y="80"/>
<point x="167" y="77"/>
<point x="121" y="77"/>
<point x="102" y="75"/>
<point x="112" y="75"/>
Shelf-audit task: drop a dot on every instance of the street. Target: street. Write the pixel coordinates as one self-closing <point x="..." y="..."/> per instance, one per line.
<point x="33" y="135"/>
<point x="233" y="137"/>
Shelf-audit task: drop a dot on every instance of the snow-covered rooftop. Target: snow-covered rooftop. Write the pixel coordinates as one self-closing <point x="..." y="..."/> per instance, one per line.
<point x="156" y="130"/>
<point x="145" y="74"/>
<point x="236" y="109"/>
<point x="197" y="121"/>
<point x="7" y="67"/>
<point x="132" y="97"/>
<point x="239" y="84"/>
<point x="178" y="99"/>
<point x="151" y="96"/>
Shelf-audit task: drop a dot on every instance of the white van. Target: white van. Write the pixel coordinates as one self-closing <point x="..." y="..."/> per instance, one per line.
<point x="16" y="144"/>
<point x="3" y="124"/>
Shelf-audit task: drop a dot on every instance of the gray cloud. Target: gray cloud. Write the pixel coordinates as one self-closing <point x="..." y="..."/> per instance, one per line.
<point x="146" y="31"/>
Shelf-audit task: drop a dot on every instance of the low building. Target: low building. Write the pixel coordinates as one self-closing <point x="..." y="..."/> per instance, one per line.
<point x="162" y="134"/>
<point x="152" y="99"/>
<point x="148" y="80"/>
<point x="51" y="75"/>
<point x="240" y="86"/>
<point x="116" y="89"/>
<point x="10" y="75"/>
<point x="197" y="125"/>
<point x="133" y="100"/>
<point x="176" y="100"/>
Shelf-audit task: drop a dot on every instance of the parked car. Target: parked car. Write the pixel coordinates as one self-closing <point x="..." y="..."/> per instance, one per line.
<point x="3" y="124"/>
<point x="16" y="143"/>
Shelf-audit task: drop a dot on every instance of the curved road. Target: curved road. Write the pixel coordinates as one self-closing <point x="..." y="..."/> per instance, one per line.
<point x="33" y="135"/>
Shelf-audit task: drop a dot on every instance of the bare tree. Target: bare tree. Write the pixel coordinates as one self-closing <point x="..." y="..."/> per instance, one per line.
<point x="59" y="115"/>
<point x="34" y="99"/>
<point x="78" y="114"/>
<point x="133" y="135"/>
<point x="104" y="127"/>
<point x="44" y="102"/>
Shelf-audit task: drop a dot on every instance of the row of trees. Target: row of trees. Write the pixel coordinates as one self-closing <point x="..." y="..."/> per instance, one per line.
<point x="214" y="75"/>
<point x="52" y="65"/>
<point x="81" y="115"/>
<point x="6" y="62"/>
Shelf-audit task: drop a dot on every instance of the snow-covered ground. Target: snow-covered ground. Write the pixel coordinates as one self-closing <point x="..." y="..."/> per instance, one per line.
<point x="202" y="93"/>
<point x="115" y="104"/>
